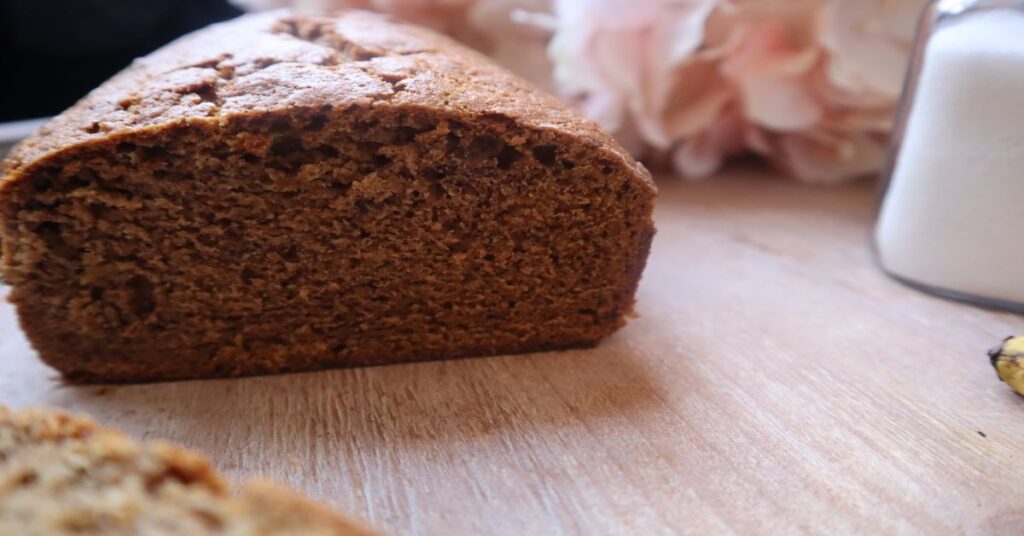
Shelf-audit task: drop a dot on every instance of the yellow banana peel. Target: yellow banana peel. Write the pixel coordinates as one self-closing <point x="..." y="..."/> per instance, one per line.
<point x="1008" y="360"/>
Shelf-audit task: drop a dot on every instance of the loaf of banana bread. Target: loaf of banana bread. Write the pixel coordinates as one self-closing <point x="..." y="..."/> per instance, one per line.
<point x="286" y="192"/>
<point x="64" y="475"/>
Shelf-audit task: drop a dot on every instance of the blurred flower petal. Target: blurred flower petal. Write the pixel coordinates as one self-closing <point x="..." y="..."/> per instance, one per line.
<point x="703" y="154"/>
<point x="780" y="103"/>
<point x="830" y="159"/>
<point x="699" y="96"/>
<point x="869" y="42"/>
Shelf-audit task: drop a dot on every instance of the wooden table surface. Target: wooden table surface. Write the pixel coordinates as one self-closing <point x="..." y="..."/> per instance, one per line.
<point x="774" y="382"/>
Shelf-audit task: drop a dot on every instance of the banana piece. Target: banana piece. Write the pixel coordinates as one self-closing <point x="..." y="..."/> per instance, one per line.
<point x="1008" y="361"/>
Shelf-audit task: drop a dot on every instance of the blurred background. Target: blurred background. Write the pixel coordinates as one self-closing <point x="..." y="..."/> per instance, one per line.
<point x="55" y="51"/>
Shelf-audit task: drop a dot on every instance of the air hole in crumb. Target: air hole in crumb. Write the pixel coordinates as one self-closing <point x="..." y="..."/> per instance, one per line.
<point x="250" y="158"/>
<point x="567" y="164"/>
<point x="545" y="154"/>
<point x="291" y="254"/>
<point x="489" y="257"/>
<point x="317" y="122"/>
<point x="368" y="148"/>
<point x="220" y="150"/>
<point x="280" y="124"/>
<point x="405" y="135"/>
<point x="42" y="184"/>
<point x="248" y="274"/>
<point x="93" y="128"/>
<point x="281" y="165"/>
<point x="381" y="160"/>
<point x="50" y="233"/>
<point x="142" y="300"/>
<point x="508" y="156"/>
<point x="285" y="145"/>
<point x="96" y="210"/>
<point x="156" y="153"/>
<point x="207" y="93"/>
<point x="339" y="348"/>
<point x="79" y="180"/>
<point x="125" y="147"/>
<point x="327" y="150"/>
<point x="607" y="170"/>
<point x="369" y="125"/>
<point x="96" y="293"/>
<point x="452" y="143"/>
<point x="484" y="147"/>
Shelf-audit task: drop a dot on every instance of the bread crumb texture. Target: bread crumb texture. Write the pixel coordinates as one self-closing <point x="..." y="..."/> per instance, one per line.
<point x="64" y="475"/>
<point x="282" y="192"/>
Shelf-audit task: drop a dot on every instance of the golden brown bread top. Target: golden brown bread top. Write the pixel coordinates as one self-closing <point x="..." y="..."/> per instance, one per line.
<point x="279" y="60"/>
<point x="61" y="474"/>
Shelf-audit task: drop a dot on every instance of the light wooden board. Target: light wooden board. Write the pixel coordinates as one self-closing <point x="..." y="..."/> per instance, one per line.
<point x="775" y="382"/>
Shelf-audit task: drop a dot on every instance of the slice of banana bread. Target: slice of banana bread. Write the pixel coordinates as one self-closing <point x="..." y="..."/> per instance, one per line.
<point x="64" y="475"/>
<point x="285" y="192"/>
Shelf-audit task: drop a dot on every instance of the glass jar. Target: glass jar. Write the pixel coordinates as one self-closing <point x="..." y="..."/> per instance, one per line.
<point x="951" y="220"/>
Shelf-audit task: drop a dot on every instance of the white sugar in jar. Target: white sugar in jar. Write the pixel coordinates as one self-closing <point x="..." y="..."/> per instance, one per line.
<point x="952" y="219"/>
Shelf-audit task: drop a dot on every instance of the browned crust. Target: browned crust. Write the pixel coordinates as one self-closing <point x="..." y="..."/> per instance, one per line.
<point x="275" y="61"/>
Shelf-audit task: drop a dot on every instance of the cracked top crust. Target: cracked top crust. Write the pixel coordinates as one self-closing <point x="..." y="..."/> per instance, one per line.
<point x="279" y="60"/>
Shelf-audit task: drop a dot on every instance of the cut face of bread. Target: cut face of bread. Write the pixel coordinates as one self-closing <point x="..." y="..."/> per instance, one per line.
<point x="62" y="475"/>
<point x="284" y="193"/>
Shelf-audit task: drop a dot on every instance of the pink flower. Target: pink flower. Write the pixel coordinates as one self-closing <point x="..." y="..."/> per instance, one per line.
<point x="704" y="153"/>
<point x="817" y="83"/>
<point x="618" y="58"/>
<point x="810" y="85"/>
<point x="772" y="75"/>
<point x="762" y="65"/>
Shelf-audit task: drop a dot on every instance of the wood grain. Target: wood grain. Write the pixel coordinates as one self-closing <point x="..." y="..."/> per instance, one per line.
<point x="774" y="382"/>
